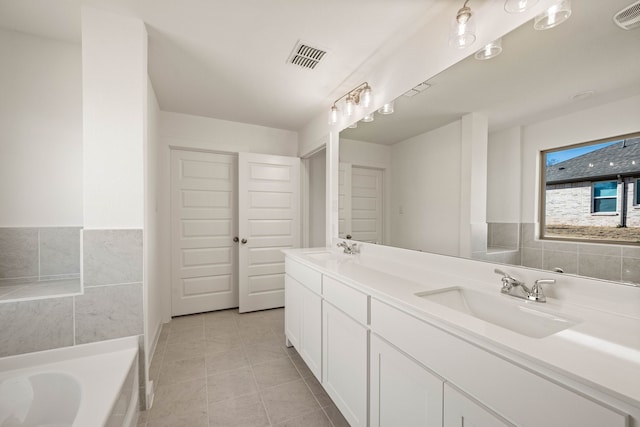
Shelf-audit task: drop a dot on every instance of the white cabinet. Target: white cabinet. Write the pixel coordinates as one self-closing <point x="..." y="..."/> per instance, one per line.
<point x="403" y="392"/>
<point x="344" y="363"/>
<point x="303" y="320"/>
<point x="462" y="411"/>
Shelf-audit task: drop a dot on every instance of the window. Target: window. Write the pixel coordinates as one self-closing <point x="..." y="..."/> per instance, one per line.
<point x="605" y="196"/>
<point x="591" y="191"/>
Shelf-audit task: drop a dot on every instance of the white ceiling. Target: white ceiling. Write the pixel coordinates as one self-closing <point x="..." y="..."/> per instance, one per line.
<point x="227" y="59"/>
<point x="534" y="79"/>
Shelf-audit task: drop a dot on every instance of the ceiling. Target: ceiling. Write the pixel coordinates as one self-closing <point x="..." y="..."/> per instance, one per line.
<point x="535" y="78"/>
<point x="227" y="59"/>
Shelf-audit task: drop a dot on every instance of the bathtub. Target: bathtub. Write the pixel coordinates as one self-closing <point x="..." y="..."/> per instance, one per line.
<point x="89" y="385"/>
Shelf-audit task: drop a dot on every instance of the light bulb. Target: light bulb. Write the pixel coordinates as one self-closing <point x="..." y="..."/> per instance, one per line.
<point x="386" y="108"/>
<point x="365" y="96"/>
<point x="554" y="16"/>
<point x="349" y="106"/>
<point x="491" y="50"/>
<point x="333" y="115"/>
<point x="518" y="6"/>
<point x="463" y="32"/>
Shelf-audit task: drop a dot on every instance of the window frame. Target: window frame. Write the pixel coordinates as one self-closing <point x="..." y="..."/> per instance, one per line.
<point x="541" y="211"/>
<point x="594" y="198"/>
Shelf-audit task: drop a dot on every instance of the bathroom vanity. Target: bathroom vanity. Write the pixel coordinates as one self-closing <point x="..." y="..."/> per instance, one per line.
<point x="402" y="338"/>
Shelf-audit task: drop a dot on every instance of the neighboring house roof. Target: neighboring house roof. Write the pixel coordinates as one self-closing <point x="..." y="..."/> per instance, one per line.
<point x="605" y="163"/>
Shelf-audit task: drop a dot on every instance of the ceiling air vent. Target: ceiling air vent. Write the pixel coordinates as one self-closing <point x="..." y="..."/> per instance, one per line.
<point x="629" y="17"/>
<point x="306" y="56"/>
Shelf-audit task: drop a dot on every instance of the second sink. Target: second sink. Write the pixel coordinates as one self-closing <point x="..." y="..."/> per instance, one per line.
<point x="502" y="311"/>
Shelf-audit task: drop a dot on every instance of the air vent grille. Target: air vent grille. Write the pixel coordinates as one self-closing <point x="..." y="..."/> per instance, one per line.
<point x="306" y="56"/>
<point x="629" y="17"/>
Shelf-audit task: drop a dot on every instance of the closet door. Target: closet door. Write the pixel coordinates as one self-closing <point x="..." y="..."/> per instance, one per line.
<point x="203" y="225"/>
<point x="269" y="221"/>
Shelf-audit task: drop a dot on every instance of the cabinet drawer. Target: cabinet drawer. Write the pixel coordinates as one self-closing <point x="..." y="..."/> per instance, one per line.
<point x="309" y="277"/>
<point x="506" y="388"/>
<point x="350" y="301"/>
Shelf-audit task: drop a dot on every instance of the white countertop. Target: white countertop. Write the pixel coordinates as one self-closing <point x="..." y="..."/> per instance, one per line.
<point x="602" y="351"/>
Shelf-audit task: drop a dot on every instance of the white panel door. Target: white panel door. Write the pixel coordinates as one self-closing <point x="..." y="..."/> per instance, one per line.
<point x="366" y="204"/>
<point x="269" y="221"/>
<point x="203" y="224"/>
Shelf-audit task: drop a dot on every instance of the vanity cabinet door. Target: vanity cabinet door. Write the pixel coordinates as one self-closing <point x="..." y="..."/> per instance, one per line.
<point x="311" y="331"/>
<point x="292" y="310"/>
<point x="402" y="392"/>
<point x="462" y="411"/>
<point x="344" y="363"/>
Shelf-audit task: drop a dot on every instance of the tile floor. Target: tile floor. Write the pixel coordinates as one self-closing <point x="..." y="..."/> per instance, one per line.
<point x="228" y="369"/>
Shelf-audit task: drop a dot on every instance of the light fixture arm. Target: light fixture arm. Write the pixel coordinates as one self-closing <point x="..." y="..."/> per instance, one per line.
<point x="354" y="93"/>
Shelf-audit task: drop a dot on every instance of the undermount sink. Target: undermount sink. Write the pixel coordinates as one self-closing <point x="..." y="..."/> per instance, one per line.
<point x="501" y="310"/>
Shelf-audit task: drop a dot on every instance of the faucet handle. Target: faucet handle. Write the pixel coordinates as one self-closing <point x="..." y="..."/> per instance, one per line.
<point x="536" y="293"/>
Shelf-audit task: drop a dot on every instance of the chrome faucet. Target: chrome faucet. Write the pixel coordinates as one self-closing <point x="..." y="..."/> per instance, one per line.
<point x="534" y="294"/>
<point x="349" y="248"/>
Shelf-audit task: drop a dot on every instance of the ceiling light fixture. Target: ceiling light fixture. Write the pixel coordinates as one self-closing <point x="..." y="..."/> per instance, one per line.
<point x="554" y="16"/>
<point x="387" y="108"/>
<point x="491" y="50"/>
<point x="518" y="6"/>
<point x="368" y="118"/>
<point x="463" y="32"/>
<point x="359" y="96"/>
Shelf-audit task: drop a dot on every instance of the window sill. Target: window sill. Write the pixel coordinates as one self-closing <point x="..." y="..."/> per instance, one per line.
<point x="604" y="213"/>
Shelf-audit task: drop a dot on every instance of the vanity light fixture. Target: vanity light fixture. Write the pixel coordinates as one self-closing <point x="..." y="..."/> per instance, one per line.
<point x="386" y="108"/>
<point x="354" y="125"/>
<point x="518" y="6"/>
<point x="360" y="95"/>
<point x="554" y="16"/>
<point x="463" y="32"/>
<point x="491" y="50"/>
<point x="368" y="118"/>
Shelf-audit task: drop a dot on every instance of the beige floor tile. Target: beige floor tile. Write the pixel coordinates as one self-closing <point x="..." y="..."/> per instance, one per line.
<point x="301" y="366"/>
<point x="227" y="361"/>
<point x="245" y="411"/>
<point x="178" y="399"/>
<point x="185" y="335"/>
<point x="222" y="343"/>
<point x="182" y="370"/>
<point x="142" y="418"/>
<point x="186" y="322"/>
<point x="187" y="349"/>
<point x="231" y="384"/>
<point x="288" y="401"/>
<point x="198" y="418"/>
<point x="275" y="372"/>
<point x="318" y="391"/>
<point x="260" y="353"/>
<point x="336" y="417"/>
<point x="313" y="419"/>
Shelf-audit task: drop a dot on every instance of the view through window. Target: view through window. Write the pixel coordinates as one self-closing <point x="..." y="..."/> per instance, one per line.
<point x="591" y="191"/>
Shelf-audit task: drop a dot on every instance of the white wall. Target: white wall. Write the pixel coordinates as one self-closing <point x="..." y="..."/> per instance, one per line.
<point x="114" y="69"/>
<point x="426" y="181"/>
<point x="503" y="176"/>
<point x="41" y="137"/>
<point x="152" y="290"/>
<point x="317" y="198"/>
<point x="201" y="133"/>
<point x="611" y="119"/>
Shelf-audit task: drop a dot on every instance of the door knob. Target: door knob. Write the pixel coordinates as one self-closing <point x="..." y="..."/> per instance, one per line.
<point x="243" y="241"/>
<point x="235" y="239"/>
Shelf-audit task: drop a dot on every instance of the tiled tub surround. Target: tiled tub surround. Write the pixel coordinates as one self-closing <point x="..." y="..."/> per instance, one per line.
<point x="39" y="262"/>
<point x="228" y="369"/>
<point x="110" y="307"/>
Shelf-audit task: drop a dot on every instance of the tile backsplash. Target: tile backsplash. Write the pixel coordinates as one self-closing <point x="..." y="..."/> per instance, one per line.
<point x="38" y="254"/>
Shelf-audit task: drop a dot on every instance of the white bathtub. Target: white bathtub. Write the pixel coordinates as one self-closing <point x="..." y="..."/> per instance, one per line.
<point x="91" y="385"/>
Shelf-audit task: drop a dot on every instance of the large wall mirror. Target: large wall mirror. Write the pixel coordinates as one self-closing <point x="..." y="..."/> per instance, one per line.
<point x="460" y="157"/>
<point x="40" y="166"/>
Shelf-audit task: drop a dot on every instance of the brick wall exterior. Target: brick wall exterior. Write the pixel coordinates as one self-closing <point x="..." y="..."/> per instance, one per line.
<point x="571" y="204"/>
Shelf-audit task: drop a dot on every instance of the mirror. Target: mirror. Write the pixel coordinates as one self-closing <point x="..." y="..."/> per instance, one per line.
<point x="40" y="166"/>
<point x="456" y="169"/>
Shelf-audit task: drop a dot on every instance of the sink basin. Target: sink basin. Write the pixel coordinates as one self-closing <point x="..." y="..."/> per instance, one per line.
<point x="502" y="310"/>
